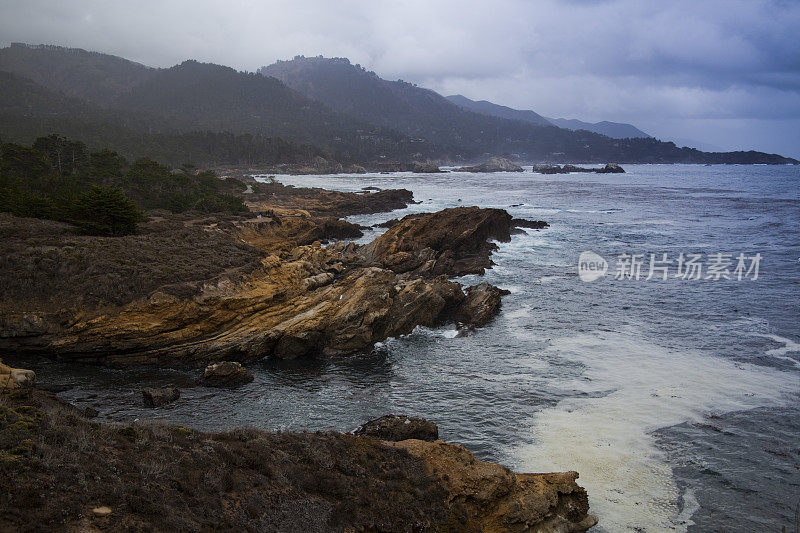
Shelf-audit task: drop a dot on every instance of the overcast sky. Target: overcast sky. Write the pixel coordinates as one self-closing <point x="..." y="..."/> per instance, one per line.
<point x="724" y="72"/>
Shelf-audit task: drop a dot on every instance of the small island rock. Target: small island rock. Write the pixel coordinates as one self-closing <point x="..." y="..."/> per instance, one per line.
<point x="226" y="374"/>
<point x="159" y="397"/>
<point x="493" y="164"/>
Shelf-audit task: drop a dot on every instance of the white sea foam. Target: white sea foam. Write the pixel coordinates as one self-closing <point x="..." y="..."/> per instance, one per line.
<point x="522" y="312"/>
<point x="789" y="346"/>
<point x="609" y="439"/>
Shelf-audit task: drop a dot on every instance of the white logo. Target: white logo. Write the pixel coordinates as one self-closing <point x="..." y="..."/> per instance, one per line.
<point x="591" y="266"/>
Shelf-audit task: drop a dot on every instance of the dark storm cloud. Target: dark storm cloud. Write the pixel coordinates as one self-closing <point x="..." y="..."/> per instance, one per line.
<point x="656" y="64"/>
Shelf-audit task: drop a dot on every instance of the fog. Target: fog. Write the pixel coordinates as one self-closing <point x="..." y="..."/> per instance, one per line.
<point x="723" y="72"/>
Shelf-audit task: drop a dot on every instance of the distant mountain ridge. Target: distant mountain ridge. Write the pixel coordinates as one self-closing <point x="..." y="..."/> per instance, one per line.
<point x="344" y="111"/>
<point x="616" y="130"/>
<point x="489" y="108"/>
<point x="93" y="76"/>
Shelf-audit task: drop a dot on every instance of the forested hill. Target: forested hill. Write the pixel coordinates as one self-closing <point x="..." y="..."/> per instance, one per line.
<point x="422" y="113"/>
<point x="495" y="110"/>
<point x="92" y="76"/>
<point x="209" y="113"/>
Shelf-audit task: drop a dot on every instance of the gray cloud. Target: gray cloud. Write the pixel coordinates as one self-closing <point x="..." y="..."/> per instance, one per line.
<point x="703" y="64"/>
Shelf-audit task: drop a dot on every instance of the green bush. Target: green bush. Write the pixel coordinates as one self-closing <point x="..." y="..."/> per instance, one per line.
<point x="104" y="211"/>
<point x="102" y="193"/>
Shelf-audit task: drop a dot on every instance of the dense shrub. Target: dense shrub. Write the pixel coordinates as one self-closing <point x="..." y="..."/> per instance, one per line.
<point x="102" y="193"/>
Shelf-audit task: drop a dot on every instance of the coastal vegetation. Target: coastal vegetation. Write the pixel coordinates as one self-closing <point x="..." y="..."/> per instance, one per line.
<point x="102" y="193"/>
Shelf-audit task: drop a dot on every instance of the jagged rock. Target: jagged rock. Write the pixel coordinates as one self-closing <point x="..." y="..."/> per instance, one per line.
<point x="493" y="164"/>
<point x="532" y="224"/>
<point x="453" y="241"/>
<point x="226" y="374"/>
<point x="302" y="301"/>
<point x="611" y="168"/>
<point x="493" y="498"/>
<point x="387" y="224"/>
<point x="399" y="427"/>
<point x="159" y="397"/>
<point x="480" y="305"/>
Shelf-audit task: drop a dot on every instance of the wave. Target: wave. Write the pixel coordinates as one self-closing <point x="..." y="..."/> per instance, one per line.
<point x="608" y="439"/>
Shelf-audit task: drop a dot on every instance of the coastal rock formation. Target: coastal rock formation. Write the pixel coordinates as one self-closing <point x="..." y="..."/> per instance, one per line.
<point x="531" y="224"/>
<point x="324" y="203"/>
<point x="242" y="289"/>
<point x="453" y="241"/>
<point x="493" y="498"/>
<point x="480" y="305"/>
<point x="167" y="478"/>
<point x="399" y="427"/>
<point x="493" y="164"/>
<point x="159" y="397"/>
<point x="226" y="374"/>
<point x="610" y="168"/>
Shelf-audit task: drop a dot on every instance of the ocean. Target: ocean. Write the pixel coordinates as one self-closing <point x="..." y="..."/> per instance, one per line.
<point x="677" y="400"/>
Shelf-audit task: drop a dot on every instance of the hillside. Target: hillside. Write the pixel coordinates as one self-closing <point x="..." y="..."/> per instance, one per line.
<point x="616" y="130"/>
<point x="495" y="110"/>
<point x="461" y="134"/>
<point x="213" y="114"/>
<point x="92" y="76"/>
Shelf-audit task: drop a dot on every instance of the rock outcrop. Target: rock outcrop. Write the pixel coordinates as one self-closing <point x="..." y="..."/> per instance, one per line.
<point x="159" y="397"/>
<point x="302" y="299"/>
<point x="493" y="164"/>
<point x="493" y="498"/>
<point x="531" y="224"/>
<point x="226" y="374"/>
<point x="453" y="242"/>
<point x="395" y="428"/>
<point x="610" y="168"/>
<point x="480" y="305"/>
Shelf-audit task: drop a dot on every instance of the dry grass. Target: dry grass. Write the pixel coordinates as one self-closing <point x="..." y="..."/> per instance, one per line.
<point x="45" y="266"/>
<point x="56" y="466"/>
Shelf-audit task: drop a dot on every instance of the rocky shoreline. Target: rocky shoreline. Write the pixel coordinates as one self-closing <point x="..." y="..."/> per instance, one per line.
<point x="66" y="473"/>
<point x="296" y="298"/>
<point x="226" y="290"/>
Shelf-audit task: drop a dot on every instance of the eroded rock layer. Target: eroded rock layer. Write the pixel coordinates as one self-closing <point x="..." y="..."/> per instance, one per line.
<point x="282" y="294"/>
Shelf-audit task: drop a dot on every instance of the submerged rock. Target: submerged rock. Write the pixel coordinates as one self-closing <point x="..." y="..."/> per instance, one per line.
<point x="159" y="397"/>
<point x="226" y="374"/>
<point x="399" y="427"/>
<point x="493" y="164"/>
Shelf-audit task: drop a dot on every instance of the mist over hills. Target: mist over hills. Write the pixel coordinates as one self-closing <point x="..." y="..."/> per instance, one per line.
<point x="617" y="130"/>
<point x="495" y="110"/>
<point x="305" y="106"/>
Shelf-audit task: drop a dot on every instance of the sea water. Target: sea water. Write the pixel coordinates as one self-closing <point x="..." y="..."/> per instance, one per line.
<point x="676" y="400"/>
